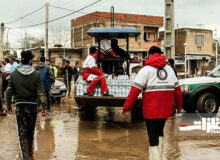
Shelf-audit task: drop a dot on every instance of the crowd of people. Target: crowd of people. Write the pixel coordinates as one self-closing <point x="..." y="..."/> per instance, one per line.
<point x="48" y="72"/>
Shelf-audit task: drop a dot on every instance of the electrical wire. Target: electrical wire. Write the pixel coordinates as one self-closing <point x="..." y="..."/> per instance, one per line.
<point x="93" y="15"/>
<point x="55" y="19"/>
<point x="25" y="15"/>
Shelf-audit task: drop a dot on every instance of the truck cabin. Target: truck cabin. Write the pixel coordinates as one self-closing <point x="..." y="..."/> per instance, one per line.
<point x="119" y="64"/>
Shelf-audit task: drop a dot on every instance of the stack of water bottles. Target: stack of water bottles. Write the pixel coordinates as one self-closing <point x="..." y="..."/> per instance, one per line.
<point x="118" y="86"/>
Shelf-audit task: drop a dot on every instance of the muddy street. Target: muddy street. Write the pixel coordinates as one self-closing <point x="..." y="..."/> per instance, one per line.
<point x="63" y="136"/>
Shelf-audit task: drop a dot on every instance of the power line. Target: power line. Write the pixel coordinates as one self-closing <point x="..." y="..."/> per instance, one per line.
<point x="60" y="16"/>
<point x="92" y="15"/>
<point x="25" y="15"/>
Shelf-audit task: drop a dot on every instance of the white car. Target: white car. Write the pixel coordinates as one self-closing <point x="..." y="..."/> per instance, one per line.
<point x="58" y="91"/>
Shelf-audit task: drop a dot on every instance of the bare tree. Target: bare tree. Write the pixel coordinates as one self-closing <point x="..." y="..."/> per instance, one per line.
<point x="59" y="35"/>
<point x="30" y="41"/>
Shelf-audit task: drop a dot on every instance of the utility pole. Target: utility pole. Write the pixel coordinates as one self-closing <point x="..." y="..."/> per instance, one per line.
<point x="46" y="53"/>
<point x="169" y="33"/>
<point x="185" y="62"/>
<point x="112" y="16"/>
<point x="216" y="52"/>
<point x="7" y="44"/>
<point x="2" y="41"/>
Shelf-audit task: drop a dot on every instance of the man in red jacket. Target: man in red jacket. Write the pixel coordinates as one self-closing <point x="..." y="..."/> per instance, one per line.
<point x="160" y="89"/>
<point x="94" y="75"/>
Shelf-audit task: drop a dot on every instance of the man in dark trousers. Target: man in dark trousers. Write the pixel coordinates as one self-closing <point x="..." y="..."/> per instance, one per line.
<point x="77" y="71"/>
<point x="47" y="77"/>
<point x="26" y="86"/>
<point x="67" y="74"/>
<point x="160" y="89"/>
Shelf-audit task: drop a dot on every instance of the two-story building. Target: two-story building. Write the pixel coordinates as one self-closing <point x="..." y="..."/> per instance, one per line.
<point x="147" y="25"/>
<point x="194" y="45"/>
<point x="198" y="46"/>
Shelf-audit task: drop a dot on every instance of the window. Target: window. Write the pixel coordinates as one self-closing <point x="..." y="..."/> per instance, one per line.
<point x="199" y="40"/>
<point x="149" y="37"/>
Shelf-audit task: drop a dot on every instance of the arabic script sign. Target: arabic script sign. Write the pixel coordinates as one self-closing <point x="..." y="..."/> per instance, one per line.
<point x="196" y="125"/>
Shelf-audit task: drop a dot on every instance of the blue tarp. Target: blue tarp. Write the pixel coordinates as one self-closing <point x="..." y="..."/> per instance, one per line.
<point x="114" y="32"/>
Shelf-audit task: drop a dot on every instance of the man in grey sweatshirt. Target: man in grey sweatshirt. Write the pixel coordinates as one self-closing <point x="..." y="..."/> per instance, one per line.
<point x="26" y="86"/>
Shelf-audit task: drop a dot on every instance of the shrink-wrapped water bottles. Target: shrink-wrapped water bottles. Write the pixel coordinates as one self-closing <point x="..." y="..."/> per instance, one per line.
<point x="118" y="86"/>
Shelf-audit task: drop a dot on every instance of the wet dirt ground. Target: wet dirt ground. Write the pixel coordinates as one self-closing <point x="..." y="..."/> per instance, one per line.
<point x="63" y="136"/>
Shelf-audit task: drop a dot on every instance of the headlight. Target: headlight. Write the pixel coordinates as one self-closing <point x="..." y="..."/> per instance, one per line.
<point x="185" y="88"/>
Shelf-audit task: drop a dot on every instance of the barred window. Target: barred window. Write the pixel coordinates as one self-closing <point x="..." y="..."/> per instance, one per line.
<point x="199" y="40"/>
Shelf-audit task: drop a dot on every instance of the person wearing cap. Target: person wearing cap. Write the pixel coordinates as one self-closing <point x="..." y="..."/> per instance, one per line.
<point x="67" y="74"/>
<point x="160" y="88"/>
<point x="94" y="75"/>
<point x="26" y="86"/>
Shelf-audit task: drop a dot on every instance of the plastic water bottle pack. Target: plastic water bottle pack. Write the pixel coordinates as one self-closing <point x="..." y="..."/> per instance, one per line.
<point x="118" y="86"/>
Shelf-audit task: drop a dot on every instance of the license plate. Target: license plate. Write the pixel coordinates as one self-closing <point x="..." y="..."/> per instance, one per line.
<point x="55" y="91"/>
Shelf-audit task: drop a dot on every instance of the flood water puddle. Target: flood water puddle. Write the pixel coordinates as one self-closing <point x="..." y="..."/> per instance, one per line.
<point x="63" y="136"/>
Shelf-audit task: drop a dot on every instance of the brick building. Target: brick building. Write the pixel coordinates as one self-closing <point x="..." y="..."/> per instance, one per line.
<point x="199" y="46"/>
<point x="147" y="25"/>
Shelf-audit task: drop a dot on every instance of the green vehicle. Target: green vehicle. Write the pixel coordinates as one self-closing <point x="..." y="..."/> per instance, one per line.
<point x="202" y="94"/>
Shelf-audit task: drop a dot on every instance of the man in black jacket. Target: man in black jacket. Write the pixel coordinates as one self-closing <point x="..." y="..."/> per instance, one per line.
<point x="26" y="86"/>
<point x="77" y="71"/>
<point x="67" y="74"/>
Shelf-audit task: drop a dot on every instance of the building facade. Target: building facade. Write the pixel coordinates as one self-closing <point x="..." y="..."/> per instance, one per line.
<point x="197" y="49"/>
<point x="193" y="45"/>
<point x="147" y="25"/>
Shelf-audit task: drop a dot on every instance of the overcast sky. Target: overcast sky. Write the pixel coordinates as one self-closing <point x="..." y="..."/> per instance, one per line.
<point x="188" y="13"/>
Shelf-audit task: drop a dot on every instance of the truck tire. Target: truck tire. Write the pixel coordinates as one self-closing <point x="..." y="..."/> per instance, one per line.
<point x="208" y="103"/>
<point x="87" y="112"/>
<point x="137" y="113"/>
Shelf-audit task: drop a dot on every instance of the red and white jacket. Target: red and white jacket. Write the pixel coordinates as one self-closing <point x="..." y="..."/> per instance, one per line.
<point x="160" y="88"/>
<point x="105" y="48"/>
<point x="90" y="69"/>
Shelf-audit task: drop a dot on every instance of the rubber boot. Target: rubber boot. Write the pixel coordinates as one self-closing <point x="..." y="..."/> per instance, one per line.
<point x="154" y="153"/>
<point x="161" y="145"/>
